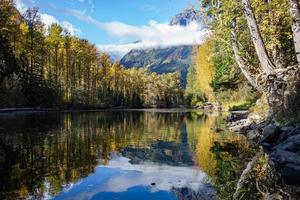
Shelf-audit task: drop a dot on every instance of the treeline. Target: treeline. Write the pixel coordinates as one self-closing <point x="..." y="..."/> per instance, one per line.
<point x="49" y="67"/>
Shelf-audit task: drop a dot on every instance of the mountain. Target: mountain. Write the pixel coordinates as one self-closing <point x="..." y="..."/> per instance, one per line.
<point x="166" y="60"/>
<point x="186" y="17"/>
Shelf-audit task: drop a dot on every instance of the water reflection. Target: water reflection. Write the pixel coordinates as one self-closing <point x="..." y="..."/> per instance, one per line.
<point x="107" y="155"/>
<point x="120" y="178"/>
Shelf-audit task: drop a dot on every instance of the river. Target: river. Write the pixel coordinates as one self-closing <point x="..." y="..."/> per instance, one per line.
<point x="127" y="155"/>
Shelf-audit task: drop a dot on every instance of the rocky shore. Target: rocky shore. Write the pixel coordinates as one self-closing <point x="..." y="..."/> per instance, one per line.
<point x="279" y="146"/>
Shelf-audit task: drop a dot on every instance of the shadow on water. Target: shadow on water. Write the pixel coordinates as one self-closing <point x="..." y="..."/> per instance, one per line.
<point x="121" y="154"/>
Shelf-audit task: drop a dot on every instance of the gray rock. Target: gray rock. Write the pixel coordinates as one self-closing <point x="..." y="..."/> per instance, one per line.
<point x="217" y="130"/>
<point x="294" y="132"/>
<point x="288" y="164"/>
<point x="271" y="129"/>
<point x="287" y="129"/>
<point x="291" y="144"/>
<point x="267" y="147"/>
<point x="291" y="174"/>
<point x="271" y="133"/>
<point x="286" y="154"/>
<point x="283" y="157"/>
<point x="253" y="135"/>
<point x="285" y="135"/>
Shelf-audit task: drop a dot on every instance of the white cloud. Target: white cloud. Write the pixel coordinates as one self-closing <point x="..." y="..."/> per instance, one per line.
<point x="152" y="35"/>
<point x="166" y="177"/>
<point x="48" y="19"/>
<point x="20" y="6"/>
<point x="119" y="50"/>
<point x="120" y="175"/>
<point x="161" y="34"/>
<point x="80" y="15"/>
<point x="71" y="28"/>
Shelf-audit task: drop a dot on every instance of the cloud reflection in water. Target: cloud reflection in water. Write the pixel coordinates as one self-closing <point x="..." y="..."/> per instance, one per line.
<point x="122" y="179"/>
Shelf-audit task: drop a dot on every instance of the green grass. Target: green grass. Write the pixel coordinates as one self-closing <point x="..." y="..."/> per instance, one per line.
<point x="243" y="105"/>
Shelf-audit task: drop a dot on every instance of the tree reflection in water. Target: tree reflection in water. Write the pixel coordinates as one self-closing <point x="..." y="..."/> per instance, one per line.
<point x="44" y="154"/>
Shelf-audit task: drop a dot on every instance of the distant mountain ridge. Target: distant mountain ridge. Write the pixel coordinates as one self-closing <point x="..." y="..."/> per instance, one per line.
<point x="170" y="59"/>
<point x="164" y="60"/>
<point x="186" y="17"/>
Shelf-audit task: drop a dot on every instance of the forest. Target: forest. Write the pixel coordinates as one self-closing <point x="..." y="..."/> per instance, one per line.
<point x="48" y="67"/>
<point x="253" y="55"/>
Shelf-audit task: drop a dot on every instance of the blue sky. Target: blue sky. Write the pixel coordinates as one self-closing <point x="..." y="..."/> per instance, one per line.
<point x="112" y="22"/>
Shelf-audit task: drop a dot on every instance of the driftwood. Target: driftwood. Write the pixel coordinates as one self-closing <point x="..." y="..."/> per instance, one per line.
<point x="243" y="179"/>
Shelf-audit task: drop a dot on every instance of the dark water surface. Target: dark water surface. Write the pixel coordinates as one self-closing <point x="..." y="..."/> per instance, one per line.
<point x="126" y="155"/>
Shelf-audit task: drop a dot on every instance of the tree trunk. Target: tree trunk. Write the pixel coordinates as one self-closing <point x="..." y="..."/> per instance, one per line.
<point x="245" y="176"/>
<point x="276" y="54"/>
<point x="240" y="61"/>
<point x="264" y="59"/>
<point x="295" y="13"/>
<point x="56" y="65"/>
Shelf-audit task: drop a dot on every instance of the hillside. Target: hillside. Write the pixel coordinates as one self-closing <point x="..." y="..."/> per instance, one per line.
<point x="166" y="60"/>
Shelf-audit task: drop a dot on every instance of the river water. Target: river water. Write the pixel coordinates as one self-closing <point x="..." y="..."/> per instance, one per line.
<point x="126" y="155"/>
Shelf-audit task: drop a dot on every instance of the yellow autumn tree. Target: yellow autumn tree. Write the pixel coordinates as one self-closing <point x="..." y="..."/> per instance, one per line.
<point x="201" y="75"/>
<point x="205" y="69"/>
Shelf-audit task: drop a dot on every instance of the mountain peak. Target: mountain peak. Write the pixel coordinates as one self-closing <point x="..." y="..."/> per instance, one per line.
<point x="190" y="8"/>
<point x="187" y="16"/>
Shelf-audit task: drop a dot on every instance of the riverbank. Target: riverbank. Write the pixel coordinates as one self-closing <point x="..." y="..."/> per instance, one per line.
<point x="47" y="110"/>
<point x="25" y="110"/>
<point x="278" y="157"/>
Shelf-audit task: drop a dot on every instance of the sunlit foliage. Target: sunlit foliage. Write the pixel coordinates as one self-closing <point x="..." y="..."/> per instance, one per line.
<point x="201" y="75"/>
<point x="227" y="16"/>
<point x="47" y="66"/>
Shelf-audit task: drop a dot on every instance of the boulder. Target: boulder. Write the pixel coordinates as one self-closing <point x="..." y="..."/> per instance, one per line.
<point x="291" y="174"/>
<point x="288" y="165"/>
<point x="287" y="134"/>
<point x="271" y="134"/>
<point x="287" y="129"/>
<point x="218" y="130"/>
<point x="283" y="157"/>
<point x="253" y="135"/>
<point x="293" y="133"/>
<point x="291" y="144"/>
